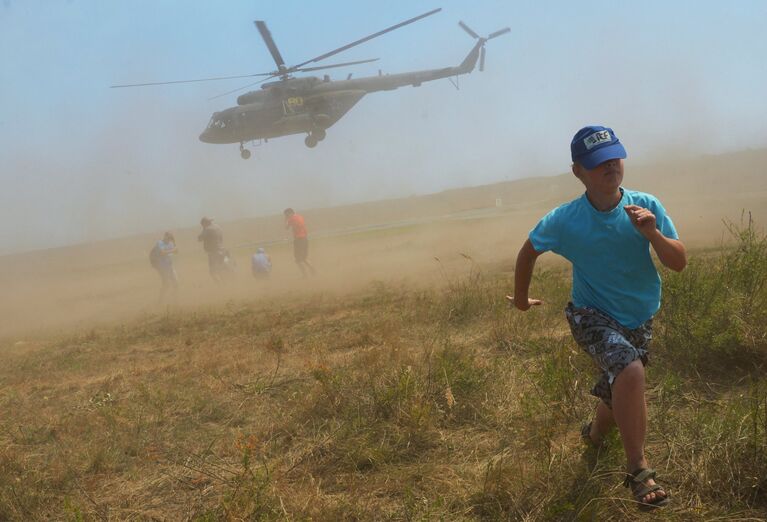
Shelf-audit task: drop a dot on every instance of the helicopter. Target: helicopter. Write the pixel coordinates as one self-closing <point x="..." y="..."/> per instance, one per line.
<point x="308" y="104"/>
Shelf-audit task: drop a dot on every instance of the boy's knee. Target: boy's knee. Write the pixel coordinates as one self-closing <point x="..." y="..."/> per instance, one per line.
<point x="633" y="372"/>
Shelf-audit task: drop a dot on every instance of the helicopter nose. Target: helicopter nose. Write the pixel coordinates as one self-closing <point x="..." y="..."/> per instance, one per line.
<point x="205" y="137"/>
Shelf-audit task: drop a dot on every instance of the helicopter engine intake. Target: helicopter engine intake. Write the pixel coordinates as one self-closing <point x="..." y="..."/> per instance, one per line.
<point x="251" y="97"/>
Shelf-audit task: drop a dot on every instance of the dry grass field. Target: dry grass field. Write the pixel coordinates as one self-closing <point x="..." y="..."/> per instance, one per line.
<point x="394" y="385"/>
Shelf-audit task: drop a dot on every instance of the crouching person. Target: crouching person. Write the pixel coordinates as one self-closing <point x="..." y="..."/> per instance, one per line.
<point x="261" y="264"/>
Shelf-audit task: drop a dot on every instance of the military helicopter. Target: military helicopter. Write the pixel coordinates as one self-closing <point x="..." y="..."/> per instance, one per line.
<point x="311" y="105"/>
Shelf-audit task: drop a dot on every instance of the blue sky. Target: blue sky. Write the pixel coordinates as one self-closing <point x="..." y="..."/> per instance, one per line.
<point x="81" y="162"/>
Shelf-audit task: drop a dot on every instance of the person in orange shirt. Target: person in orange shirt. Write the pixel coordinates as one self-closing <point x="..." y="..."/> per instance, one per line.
<point x="300" y="240"/>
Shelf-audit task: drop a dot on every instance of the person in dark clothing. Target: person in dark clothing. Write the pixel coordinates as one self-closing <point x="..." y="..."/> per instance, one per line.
<point x="212" y="239"/>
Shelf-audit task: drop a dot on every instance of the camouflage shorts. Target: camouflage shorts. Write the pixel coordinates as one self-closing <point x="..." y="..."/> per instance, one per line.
<point x="611" y="345"/>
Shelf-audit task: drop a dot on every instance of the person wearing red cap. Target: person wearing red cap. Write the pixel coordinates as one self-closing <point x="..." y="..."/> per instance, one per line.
<point x="607" y="234"/>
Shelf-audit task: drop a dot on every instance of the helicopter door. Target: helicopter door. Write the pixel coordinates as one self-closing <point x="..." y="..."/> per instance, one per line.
<point x="293" y="105"/>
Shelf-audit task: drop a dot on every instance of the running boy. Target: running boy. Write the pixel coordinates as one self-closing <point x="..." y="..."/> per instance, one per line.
<point x="606" y="234"/>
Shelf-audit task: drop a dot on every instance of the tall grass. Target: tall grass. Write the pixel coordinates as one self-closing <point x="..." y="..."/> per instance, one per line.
<point x="398" y="403"/>
<point x="714" y="316"/>
<point x="712" y="339"/>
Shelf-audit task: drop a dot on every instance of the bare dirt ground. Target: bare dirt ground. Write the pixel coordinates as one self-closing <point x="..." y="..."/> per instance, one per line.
<point x="82" y="286"/>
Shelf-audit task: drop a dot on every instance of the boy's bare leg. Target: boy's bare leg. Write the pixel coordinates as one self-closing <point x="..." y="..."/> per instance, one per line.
<point x="603" y="423"/>
<point x="630" y="414"/>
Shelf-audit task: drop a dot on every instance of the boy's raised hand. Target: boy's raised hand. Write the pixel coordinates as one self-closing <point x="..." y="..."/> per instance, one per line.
<point x="642" y="219"/>
<point x="523" y="306"/>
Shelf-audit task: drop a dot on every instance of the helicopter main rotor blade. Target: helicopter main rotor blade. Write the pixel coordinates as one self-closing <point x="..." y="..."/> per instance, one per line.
<point x="468" y="30"/>
<point x="189" y="81"/>
<point x="269" y="41"/>
<point x="243" y="87"/>
<point x="482" y="59"/>
<point x="498" y="33"/>
<point x="305" y="69"/>
<point x="331" y="66"/>
<point x="363" y="40"/>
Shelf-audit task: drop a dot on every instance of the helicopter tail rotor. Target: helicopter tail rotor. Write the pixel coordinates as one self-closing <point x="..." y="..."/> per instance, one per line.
<point x="469" y="30"/>
<point x="499" y="33"/>
<point x="481" y="40"/>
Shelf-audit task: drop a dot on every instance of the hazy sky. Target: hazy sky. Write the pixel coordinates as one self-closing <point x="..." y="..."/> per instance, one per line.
<point x="80" y="161"/>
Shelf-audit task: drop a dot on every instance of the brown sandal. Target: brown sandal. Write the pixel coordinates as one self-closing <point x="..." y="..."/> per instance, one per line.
<point x="636" y="481"/>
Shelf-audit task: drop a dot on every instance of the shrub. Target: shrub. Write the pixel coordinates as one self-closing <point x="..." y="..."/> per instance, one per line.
<point x="714" y="315"/>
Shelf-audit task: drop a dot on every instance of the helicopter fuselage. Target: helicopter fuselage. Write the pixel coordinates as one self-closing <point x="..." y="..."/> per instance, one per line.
<point x="280" y="113"/>
<point x="310" y="104"/>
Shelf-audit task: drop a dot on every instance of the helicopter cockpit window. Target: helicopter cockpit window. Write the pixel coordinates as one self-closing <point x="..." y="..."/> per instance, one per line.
<point x="217" y="122"/>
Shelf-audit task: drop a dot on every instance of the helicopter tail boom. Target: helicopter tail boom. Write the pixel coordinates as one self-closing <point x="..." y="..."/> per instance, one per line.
<point x="468" y="63"/>
<point x="388" y="82"/>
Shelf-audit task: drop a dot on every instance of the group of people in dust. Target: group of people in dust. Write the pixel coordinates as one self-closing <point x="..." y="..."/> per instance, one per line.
<point x="607" y="234"/>
<point x="221" y="264"/>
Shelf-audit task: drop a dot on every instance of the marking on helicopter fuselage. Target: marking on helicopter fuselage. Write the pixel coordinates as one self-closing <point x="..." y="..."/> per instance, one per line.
<point x="292" y="104"/>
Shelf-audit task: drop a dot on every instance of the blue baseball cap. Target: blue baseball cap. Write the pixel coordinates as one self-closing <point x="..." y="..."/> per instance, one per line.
<point x="595" y="144"/>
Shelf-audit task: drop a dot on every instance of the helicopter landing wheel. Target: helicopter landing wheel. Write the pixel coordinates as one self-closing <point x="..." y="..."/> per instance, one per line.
<point x="245" y="153"/>
<point x="319" y="134"/>
<point x="311" y="141"/>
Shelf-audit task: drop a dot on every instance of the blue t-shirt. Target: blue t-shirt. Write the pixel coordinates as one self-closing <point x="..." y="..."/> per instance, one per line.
<point x="165" y="261"/>
<point x="260" y="263"/>
<point x="612" y="268"/>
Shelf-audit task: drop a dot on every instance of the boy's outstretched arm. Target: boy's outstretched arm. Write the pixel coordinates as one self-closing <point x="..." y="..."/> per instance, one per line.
<point x="523" y="273"/>
<point x="671" y="252"/>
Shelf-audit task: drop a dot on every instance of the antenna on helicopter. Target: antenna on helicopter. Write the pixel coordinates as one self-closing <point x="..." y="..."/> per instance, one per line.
<point x="483" y="40"/>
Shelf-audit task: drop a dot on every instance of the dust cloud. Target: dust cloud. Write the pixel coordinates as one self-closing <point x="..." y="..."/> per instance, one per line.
<point x="94" y="175"/>
<point x="423" y="242"/>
